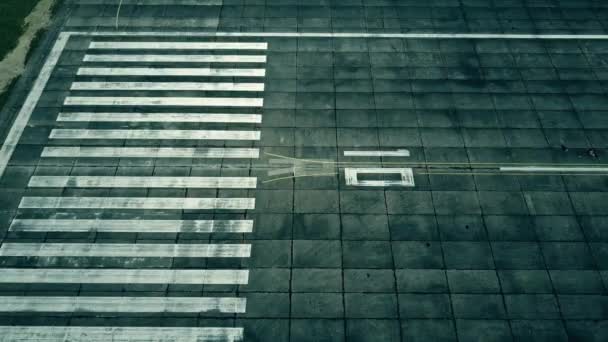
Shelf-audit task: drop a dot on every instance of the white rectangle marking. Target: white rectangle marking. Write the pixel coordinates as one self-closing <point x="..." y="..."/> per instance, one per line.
<point x="166" y="86"/>
<point x="137" y="203"/>
<point x="159" y="117"/>
<point x="148" y="152"/>
<point x="123" y="276"/>
<point x="141" y="182"/>
<point x="118" y="334"/>
<point x="164" y="101"/>
<point x="406" y="174"/>
<point x="177" y="46"/>
<point x="188" y="72"/>
<point x="175" y="58"/>
<point x="553" y="169"/>
<point x="224" y="305"/>
<point x="132" y="226"/>
<point x="152" y="134"/>
<point x="126" y="250"/>
<point x="396" y="153"/>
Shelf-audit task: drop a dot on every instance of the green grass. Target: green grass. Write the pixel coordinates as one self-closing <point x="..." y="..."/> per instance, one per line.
<point x="12" y="14"/>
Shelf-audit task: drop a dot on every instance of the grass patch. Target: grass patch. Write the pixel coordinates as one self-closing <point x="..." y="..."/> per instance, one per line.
<point x="12" y="14"/>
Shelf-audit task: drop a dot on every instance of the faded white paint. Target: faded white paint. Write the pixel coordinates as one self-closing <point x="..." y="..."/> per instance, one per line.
<point x="395" y="153"/>
<point x="177" y="46"/>
<point x="115" y="250"/>
<point x="123" y="276"/>
<point x="118" y="334"/>
<point x="122" y="304"/>
<point x="406" y="174"/>
<point x="188" y="72"/>
<point x="141" y="182"/>
<point x="153" y="134"/>
<point x="159" y="117"/>
<point x="132" y="226"/>
<point x="164" y="101"/>
<point x="137" y="203"/>
<point x="148" y="152"/>
<point x="107" y="58"/>
<point x="166" y="86"/>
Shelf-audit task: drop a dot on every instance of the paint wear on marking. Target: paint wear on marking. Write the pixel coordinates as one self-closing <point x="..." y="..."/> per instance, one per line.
<point x="188" y="72"/>
<point x="164" y="101"/>
<point x="552" y="169"/>
<point x="176" y="46"/>
<point x="132" y="226"/>
<point x="158" y="117"/>
<point x="123" y="276"/>
<point x="126" y="250"/>
<point x="396" y="153"/>
<point x="148" y="152"/>
<point x="175" y="58"/>
<point x="121" y="304"/>
<point x="150" y="134"/>
<point x="165" y="86"/>
<point x="122" y="334"/>
<point x="137" y="203"/>
<point x="141" y="182"/>
<point x="406" y="175"/>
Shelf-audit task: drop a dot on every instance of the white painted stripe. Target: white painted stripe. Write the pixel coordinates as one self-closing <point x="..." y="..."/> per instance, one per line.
<point x="22" y="118"/>
<point x="177" y="46"/>
<point x="153" y="134"/>
<point x="148" y="152"/>
<point x="141" y="182"/>
<point x="552" y="169"/>
<point x="406" y="174"/>
<point x="136" y="203"/>
<point x="121" y="304"/>
<point x="175" y="58"/>
<point x="346" y="35"/>
<point x="189" y="72"/>
<point x="396" y="153"/>
<point x="126" y="250"/>
<point x="165" y="86"/>
<point x="132" y="226"/>
<point x="123" y="276"/>
<point x="164" y="101"/>
<point x="159" y="117"/>
<point x="117" y="334"/>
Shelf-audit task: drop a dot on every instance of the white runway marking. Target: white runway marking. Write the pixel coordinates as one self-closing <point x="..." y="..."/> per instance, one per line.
<point x="118" y="334"/>
<point x="164" y="101"/>
<point x="345" y="35"/>
<point x="121" y="304"/>
<point x="123" y="276"/>
<point x="396" y="153"/>
<point x="149" y="152"/>
<point x="189" y="72"/>
<point x="351" y="175"/>
<point x="126" y="250"/>
<point x="159" y="117"/>
<point x="166" y="86"/>
<point x="177" y="46"/>
<point x="175" y="58"/>
<point x="553" y="169"/>
<point x="22" y="118"/>
<point x="151" y="134"/>
<point x="132" y="226"/>
<point x="137" y="203"/>
<point x="141" y="182"/>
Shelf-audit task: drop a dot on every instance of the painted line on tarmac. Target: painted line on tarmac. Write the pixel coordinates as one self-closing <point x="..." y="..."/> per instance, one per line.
<point x="124" y="334"/>
<point x="132" y="226"/>
<point x="126" y="250"/>
<point x="82" y="304"/>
